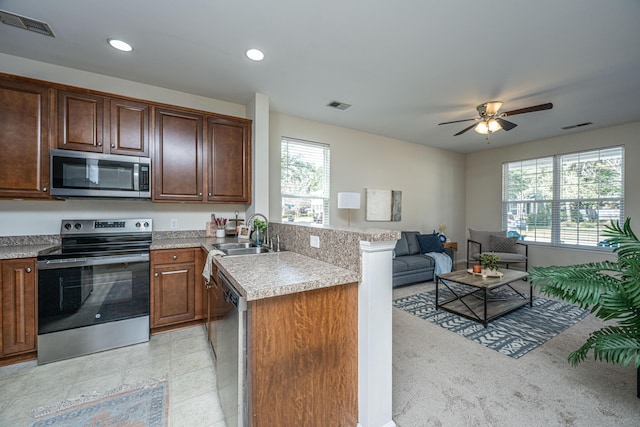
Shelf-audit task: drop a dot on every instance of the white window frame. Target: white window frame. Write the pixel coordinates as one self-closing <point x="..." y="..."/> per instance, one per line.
<point x="550" y="188"/>
<point x="321" y="158"/>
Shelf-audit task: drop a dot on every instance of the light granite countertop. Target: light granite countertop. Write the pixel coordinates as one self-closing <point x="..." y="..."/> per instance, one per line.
<point x="25" y="251"/>
<point x="280" y="273"/>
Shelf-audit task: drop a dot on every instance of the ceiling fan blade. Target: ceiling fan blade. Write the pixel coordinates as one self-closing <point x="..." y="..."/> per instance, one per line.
<point x="540" y="107"/>
<point x="456" y="121"/>
<point x="465" y="129"/>
<point x="506" y="125"/>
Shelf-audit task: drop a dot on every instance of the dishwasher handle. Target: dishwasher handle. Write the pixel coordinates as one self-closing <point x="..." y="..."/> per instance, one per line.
<point x="231" y="295"/>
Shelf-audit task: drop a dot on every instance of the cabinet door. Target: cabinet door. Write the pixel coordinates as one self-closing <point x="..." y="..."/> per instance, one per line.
<point x="80" y="121"/>
<point x="18" y="306"/>
<point x="229" y="165"/>
<point x="177" y="167"/>
<point x="24" y="140"/>
<point x="173" y="294"/>
<point x="129" y="128"/>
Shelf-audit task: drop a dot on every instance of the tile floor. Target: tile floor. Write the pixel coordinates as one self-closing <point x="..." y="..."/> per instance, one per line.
<point x="182" y="355"/>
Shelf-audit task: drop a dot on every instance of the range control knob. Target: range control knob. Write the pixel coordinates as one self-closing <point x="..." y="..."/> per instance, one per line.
<point x="146" y="225"/>
<point x="78" y="226"/>
<point x="67" y="226"/>
<point x="137" y="224"/>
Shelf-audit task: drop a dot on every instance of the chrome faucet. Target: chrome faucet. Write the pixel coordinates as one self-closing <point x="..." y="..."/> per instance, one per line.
<point x="266" y="221"/>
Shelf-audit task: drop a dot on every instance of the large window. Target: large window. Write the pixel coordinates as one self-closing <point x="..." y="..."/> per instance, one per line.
<point x="304" y="181"/>
<point x="565" y="199"/>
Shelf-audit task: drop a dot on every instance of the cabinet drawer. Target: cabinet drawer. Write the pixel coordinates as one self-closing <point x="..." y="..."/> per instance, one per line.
<point x="170" y="256"/>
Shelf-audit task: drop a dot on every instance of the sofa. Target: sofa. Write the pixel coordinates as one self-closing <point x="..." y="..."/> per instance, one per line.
<point x="410" y="264"/>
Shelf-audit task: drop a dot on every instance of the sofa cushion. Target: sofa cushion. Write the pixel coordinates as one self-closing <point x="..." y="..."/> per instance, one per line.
<point x="503" y="244"/>
<point x="483" y="237"/>
<point x="402" y="247"/>
<point x="430" y="243"/>
<point x="412" y="241"/>
<point x="412" y="262"/>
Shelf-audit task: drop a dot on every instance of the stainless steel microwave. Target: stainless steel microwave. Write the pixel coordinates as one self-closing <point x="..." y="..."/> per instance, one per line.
<point x="80" y="174"/>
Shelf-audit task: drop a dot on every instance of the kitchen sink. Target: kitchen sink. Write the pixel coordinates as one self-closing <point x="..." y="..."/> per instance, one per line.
<point x="252" y="250"/>
<point x="234" y="245"/>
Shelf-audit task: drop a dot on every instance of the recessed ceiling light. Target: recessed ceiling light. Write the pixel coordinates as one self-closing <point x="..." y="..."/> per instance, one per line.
<point x="120" y="45"/>
<point x="255" y="54"/>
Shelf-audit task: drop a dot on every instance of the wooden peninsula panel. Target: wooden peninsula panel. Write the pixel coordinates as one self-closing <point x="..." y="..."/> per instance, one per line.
<point x="303" y="359"/>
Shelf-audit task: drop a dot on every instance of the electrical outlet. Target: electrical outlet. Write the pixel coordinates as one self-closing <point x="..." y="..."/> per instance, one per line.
<point x="314" y="241"/>
<point x="173" y="224"/>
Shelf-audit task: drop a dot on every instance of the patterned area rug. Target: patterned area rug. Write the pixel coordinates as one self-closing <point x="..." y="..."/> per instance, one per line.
<point x="140" y="405"/>
<point x="514" y="334"/>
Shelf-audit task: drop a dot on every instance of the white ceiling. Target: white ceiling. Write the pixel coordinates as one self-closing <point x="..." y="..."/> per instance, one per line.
<point x="404" y="65"/>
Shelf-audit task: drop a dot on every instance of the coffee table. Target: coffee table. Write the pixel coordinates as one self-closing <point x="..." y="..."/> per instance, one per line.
<point x="477" y="300"/>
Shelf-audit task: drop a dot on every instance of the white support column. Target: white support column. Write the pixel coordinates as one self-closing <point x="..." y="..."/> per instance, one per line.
<point x="375" y="335"/>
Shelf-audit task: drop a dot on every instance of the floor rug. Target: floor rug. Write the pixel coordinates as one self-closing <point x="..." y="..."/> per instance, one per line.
<point x="514" y="334"/>
<point x="139" y="405"/>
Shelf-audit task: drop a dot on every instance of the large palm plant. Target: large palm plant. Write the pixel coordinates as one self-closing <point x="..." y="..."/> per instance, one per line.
<point x="611" y="290"/>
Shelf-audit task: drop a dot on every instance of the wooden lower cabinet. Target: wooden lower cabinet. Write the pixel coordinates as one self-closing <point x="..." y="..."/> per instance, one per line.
<point x="303" y="358"/>
<point x="174" y="300"/>
<point x="18" y="307"/>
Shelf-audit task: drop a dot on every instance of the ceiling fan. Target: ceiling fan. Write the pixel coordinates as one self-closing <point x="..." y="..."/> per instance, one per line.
<point x="491" y="121"/>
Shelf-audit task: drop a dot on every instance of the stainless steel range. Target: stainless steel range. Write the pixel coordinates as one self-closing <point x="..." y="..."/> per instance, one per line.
<point x="93" y="292"/>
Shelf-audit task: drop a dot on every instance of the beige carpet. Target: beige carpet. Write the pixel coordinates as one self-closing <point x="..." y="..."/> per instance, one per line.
<point x="443" y="379"/>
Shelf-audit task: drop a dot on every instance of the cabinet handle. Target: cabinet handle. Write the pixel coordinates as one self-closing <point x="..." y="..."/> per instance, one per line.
<point x="155" y="275"/>
<point x="44" y="189"/>
<point x="175" y="257"/>
<point x="113" y="145"/>
<point x="209" y="194"/>
<point x="99" y="144"/>
<point x="28" y="269"/>
<point x="200" y="194"/>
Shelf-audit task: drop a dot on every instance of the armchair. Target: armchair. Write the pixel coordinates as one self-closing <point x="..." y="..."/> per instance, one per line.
<point x="512" y="251"/>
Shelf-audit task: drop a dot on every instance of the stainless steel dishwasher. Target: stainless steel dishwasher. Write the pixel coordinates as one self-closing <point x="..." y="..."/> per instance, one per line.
<point x="231" y="352"/>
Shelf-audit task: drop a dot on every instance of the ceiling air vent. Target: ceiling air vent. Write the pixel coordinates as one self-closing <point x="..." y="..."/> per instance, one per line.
<point x="25" y="23"/>
<point x="338" y="105"/>
<point x="579" y="125"/>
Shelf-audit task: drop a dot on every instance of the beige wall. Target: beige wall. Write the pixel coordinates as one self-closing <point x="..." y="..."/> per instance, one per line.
<point x="484" y="184"/>
<point x="431" y="180"/>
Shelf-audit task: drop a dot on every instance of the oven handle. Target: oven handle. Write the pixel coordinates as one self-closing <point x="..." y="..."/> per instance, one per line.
<point x="52" y="264"/>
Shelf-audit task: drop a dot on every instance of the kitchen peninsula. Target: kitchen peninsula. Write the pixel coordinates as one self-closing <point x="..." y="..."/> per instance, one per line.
<point x="282" y="283"/>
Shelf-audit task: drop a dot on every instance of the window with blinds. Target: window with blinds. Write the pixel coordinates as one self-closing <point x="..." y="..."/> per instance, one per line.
<point x="304" y="181"/>
<point x="564" y="199"/>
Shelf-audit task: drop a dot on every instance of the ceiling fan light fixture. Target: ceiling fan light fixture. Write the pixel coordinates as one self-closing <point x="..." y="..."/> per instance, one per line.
<point x="482" y="128"/>
<point x="494" y="125"/>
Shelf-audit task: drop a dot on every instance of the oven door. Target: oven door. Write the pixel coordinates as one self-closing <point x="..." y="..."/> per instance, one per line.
<point x="78" y="292"/>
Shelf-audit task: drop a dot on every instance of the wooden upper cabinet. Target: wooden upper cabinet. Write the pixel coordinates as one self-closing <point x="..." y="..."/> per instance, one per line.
<point x="129" y="128"/>
<point x="177" y="163"/>
<point x="18" y="297"/>
<point x="80" y="121"/>
<point x="229" y="164"/>
<point x="98" y="124"/>
<point x="24" y="139"/>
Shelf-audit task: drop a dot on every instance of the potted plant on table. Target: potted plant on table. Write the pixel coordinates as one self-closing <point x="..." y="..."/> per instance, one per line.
<point x="489" y="263"/>
<point x="611" y="289"/>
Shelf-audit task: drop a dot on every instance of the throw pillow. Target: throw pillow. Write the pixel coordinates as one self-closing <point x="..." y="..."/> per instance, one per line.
<point x="430" y="243"/>
<point x="503" y="244"/>
<point x="482" y="237"/>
